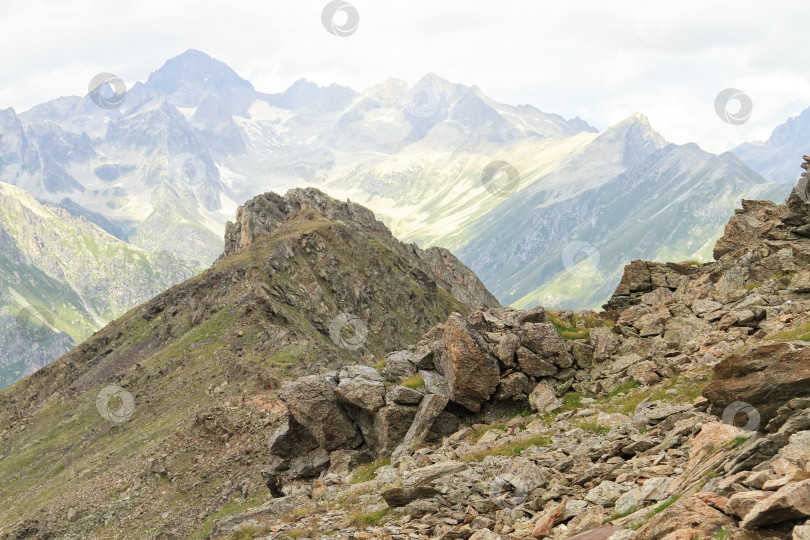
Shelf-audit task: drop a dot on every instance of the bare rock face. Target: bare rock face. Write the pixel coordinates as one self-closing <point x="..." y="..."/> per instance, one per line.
<point x="314" y="405"/>
<point x="642" y="277"/>
<point x="472" y="373"/>
<point x="766" y="377"/>
<point x="453" y="275"/>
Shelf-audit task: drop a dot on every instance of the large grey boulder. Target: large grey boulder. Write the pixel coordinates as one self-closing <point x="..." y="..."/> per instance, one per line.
<point x="314" y="405"/>
<point x="362" y="387"/>
<point x="391" y="424"/>
<point x="544" y="340"/>
<point x="399" y="365"/>
<point x="290" y="439"/>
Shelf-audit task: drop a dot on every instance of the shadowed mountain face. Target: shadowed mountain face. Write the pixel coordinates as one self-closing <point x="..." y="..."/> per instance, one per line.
<point x="307" y="284"/>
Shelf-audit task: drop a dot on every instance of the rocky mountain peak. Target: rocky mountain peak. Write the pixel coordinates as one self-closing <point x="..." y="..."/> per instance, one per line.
<point x="264" y="214"/>
<point x="194" y="67"/>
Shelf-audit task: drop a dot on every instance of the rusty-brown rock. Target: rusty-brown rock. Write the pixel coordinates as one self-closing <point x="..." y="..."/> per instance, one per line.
<point x="691" y="514"/>
<point x="472" y="373"/>
<point x="789" y="503"/>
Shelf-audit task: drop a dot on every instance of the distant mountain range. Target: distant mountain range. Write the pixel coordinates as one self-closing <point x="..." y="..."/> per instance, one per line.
<point x="775" y="158"/>
<point x="541" y="207"/>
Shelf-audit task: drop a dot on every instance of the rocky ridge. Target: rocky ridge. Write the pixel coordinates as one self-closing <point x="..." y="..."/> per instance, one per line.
<point x="323" y="285"/>
<point x="574" y="425"/>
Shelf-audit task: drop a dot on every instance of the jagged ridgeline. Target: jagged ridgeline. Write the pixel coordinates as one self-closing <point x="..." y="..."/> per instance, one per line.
<point x="306" y="284"/>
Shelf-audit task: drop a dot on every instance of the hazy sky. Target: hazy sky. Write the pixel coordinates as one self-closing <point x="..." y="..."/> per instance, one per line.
<point x="600" y="60"/>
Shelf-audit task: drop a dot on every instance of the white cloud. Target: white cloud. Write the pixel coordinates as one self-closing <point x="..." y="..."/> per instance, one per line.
<point x="602" y="61"/>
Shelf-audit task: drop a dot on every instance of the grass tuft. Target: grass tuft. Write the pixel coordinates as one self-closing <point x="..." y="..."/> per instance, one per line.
<point x="413" y="382"/>
<point x="620" y="515"/>
<point x="513" y="448"/>
<point x="368" y="472"/>
<point x="368" y="519"/>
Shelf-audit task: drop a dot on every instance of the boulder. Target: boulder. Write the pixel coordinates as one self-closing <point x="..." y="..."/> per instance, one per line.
<point x="710" y="435"/>
<point x="766" y="377"/>
<point x="511" y="386"/>
<point x="801" y="532"/>
<point x="583" y="354"/>
<point x="403" y="396"/>
<point x="472" y="373"/>
<point x="544" y="340"/>
<point x="739" y="504"/>
<point x="629" y="502"/>
<point x="606" y="493"/>
<point x="291" y="438"/>
<point x="391" y="423"/>
<point x="397" y="497"/>
<point x="426" y="475"/>
<point x="544" y="399"/>
<point x="612" y="420"/>
<point x="361" y="387"/>
<point x="435" y="383"/>
<point x="688" y="518"/>
<point x="506" y="348"/>
<point x="548" y="519"/>
<point x="422" y="356"/>
<point x="314" y="405"/>
<point x="398" y="366"/>
<point x="790" y="503"/>
<point x="535" y="365"/>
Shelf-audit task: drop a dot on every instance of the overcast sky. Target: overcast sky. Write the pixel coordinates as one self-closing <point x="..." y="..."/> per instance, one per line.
<point x="600" y="60"/>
